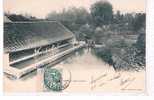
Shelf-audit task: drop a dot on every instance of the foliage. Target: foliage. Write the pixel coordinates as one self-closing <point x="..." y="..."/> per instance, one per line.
<point x="100" y="24"/>
<point x="134" y="57"/>
<point x="139" y="21"/>
<point x="86" y="31"/>
<point x="102" y="12"/>
<point x="140" y="45"/>
<point x="105" y="54"/>
<point x="73" y="18"/>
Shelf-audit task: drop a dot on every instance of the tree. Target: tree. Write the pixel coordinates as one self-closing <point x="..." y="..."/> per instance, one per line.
<point x="118" y="17"/>
<point x="102" y="13"/>
<point x="86" y="31"/>
<point x="139" y="21"/>
<point x="73" y="18"/>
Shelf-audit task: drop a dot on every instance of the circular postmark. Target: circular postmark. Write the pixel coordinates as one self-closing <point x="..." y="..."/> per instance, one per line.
<point x="57" y="79"/>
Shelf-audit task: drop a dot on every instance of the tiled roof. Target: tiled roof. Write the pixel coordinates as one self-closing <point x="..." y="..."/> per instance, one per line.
<point x="25" y="35"/>
<point x="6" y="19"/>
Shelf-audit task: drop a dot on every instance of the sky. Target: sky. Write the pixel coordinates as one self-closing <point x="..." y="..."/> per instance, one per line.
<point x="40" y="8"/>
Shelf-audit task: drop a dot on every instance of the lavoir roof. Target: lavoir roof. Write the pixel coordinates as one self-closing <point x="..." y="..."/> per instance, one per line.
<point x="6" y="20"/>
<point x="26" y="35"/>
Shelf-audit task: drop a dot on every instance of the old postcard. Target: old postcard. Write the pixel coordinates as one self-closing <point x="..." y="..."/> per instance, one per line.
<point x="74" y="46"/>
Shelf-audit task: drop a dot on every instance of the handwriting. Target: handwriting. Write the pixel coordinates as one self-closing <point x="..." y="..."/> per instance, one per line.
<point x="116" y="77"/>
<point x="98" y="78"/>
<point x="128" y="82"/>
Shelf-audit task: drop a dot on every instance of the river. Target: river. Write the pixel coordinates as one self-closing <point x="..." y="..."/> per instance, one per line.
<point x="88" y="74"/>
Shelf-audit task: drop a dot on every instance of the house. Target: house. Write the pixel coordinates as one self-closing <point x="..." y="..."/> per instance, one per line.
<point x="28" y="45"/>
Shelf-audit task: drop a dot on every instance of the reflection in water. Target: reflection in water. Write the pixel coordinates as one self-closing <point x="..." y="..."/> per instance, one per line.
<point x="66" y="60"/>
<point x="85" y="67"/>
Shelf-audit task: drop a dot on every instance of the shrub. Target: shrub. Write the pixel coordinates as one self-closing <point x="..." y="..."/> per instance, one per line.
<point x="105" y="54"/>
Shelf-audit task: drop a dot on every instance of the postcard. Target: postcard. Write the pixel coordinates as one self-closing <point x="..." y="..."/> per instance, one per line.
<point x="74" y="46"/>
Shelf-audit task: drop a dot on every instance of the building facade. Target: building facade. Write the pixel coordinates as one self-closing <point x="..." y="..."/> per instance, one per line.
<point x="28" y="45"/>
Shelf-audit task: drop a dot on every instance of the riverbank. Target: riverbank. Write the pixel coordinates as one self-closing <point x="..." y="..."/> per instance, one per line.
<point x="88" y="74"/>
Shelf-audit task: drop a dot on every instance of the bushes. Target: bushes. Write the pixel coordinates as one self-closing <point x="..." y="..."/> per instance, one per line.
<point x="105" y="55"/>
<point x="123" y="57"/>
<point x="116" y="43"/>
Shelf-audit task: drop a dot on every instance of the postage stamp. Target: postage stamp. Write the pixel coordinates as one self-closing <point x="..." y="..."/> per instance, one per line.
<point x="56" y="79"/>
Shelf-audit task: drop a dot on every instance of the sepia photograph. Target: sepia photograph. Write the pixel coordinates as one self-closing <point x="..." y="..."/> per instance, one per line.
<point x="74" y="46"/>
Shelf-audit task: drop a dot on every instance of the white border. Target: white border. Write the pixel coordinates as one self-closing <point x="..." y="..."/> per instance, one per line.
<point x="150" y="47"/>
<point x="149" y="51"/>
<point x="1" y="46"/>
